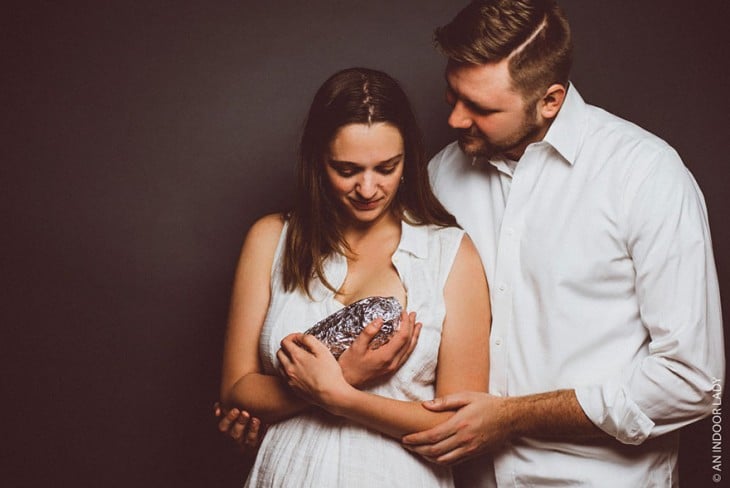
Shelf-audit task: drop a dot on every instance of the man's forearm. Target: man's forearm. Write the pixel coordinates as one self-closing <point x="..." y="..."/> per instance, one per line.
<point x="552" y="415"/>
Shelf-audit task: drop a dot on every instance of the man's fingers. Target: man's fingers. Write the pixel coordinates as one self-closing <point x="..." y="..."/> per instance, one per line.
<point x="431" y="438"/>
<point x="444" y="452"/>
<point x="448" y="402"/>
<point x="432" y="455"/>
<point x="454" y="456"/>
<point x="437" y="451"/>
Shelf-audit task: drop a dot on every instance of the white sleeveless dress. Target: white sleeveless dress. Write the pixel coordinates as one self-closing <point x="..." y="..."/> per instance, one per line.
<point x="316" y="449"/>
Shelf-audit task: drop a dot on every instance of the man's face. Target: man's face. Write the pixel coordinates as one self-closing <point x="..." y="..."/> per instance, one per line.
<point x="490" y="116"/>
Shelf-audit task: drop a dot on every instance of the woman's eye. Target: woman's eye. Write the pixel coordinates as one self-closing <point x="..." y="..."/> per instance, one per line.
<point x="345" y="173"/>
<point x="387" y="170"/>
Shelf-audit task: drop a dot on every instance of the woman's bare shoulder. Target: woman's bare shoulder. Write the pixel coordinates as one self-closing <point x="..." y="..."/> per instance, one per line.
<point x="267" y="227"/>
<point x="264" y="234"/>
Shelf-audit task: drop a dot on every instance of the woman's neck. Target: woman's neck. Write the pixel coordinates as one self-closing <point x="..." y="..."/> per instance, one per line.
<point x="380" y="229"/>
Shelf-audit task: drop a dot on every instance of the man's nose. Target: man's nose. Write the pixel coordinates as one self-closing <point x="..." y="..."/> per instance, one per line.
<point x="459" y="117"/>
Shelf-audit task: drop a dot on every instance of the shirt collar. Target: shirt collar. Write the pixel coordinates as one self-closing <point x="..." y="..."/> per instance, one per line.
<point x="564" y="133"/>
<point x="414" y="239"/>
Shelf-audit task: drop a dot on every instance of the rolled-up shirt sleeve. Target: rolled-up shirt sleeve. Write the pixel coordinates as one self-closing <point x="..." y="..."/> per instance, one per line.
<point x="668" y="239"/>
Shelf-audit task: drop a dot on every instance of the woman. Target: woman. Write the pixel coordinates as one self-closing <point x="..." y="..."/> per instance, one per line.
<point x="365" y="224"/>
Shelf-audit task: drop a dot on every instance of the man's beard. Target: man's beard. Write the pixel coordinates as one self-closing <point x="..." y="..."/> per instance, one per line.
<point x="476" y="145"/>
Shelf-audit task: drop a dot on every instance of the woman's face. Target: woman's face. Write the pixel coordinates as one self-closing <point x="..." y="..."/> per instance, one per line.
<point x="364" y="167"/>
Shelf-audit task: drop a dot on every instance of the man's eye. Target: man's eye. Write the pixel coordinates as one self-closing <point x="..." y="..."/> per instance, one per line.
<point x="480" y="110"/>
<point x="450" y="99"/>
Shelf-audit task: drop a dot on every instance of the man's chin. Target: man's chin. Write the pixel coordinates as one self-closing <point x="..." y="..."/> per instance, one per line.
<point x="475" y="149"/>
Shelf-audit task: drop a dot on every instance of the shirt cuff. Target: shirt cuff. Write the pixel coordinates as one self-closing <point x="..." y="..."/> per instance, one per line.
<point x="612" y="411"/>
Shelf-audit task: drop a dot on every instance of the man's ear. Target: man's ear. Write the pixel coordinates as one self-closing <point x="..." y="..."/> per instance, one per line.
<point x="550" y="103"/>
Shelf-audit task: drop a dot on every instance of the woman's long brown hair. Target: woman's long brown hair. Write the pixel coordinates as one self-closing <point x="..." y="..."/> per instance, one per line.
<point x="351" y="96"/>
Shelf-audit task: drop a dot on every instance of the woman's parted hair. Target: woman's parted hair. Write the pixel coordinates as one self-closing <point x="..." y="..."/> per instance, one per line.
<point x="533" y="34"/>
<point x="351" y="96"/>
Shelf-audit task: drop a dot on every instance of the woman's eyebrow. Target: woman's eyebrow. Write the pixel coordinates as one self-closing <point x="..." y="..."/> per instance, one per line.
<point x="392" y="160"/>
<point x="340" y="162"/>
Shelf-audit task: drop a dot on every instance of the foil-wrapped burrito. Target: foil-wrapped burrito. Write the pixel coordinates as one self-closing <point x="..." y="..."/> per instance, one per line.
<point x="339" y="330"/>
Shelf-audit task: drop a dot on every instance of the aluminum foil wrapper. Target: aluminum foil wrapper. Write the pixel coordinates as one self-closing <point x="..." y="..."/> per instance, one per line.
<point x="340" y="329"/>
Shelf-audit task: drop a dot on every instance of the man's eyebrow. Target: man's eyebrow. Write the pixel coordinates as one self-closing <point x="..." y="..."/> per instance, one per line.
<point x="477" y="107"/>
<point x="467" y="101"/>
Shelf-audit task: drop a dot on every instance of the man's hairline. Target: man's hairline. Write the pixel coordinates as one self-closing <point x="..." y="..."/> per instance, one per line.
<point x="527" y="97"/>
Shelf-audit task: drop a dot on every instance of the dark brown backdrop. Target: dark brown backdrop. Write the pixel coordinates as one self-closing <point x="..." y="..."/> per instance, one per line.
<point x="141" y="139"/>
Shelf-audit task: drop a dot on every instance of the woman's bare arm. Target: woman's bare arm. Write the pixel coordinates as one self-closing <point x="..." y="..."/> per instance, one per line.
<point x="463" y="363"/>
<point x="267" y="397"/>
<point x="243" y="383"/>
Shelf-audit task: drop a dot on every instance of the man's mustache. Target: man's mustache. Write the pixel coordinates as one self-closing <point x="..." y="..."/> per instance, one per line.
<point x="470" y="132"/>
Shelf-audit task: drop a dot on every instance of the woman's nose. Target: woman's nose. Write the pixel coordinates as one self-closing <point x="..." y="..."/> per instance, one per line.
<point x="367" y="186"/>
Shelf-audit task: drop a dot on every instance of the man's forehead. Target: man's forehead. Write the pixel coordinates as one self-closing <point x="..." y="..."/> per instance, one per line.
<point x="471" y="80"/>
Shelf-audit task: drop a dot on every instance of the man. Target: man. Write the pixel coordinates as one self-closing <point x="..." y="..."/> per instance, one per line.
<point x="606" y="333"/>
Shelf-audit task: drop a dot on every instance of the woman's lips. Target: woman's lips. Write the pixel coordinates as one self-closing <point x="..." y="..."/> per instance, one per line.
<point x="361" y="205"/>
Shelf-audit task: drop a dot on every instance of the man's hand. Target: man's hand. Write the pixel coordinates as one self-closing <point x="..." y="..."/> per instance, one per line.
<point x="362" y="366"/>
<point x="247" y="432"/>
<point x="479" y="425"/>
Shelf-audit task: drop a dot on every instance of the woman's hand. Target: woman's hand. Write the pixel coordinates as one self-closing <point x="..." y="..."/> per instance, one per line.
<point x="362" y="365"/>
<point x="246" y="431"/>
<point x="311" y="370"/>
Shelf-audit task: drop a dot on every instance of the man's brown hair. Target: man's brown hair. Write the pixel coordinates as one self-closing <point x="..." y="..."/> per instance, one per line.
<point x="533" y="34"/>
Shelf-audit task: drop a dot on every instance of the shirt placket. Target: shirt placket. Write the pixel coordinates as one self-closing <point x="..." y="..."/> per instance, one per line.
<point x="507" y="271"/>
<point x="401" y="263"/>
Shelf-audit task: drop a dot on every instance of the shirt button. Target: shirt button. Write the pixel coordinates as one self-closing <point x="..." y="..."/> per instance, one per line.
<point x="498" y="342"/>
<point x="510" y="231"/>
<point x="502" y="287"/>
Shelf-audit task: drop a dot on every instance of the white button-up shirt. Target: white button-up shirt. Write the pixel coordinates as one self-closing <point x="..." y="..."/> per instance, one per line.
<point x="602" y="279"/>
